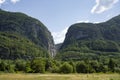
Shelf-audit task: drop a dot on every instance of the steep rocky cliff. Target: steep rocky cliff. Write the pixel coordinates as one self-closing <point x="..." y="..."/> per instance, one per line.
<point x="92" y="40"/>
<point x="28" y="27"/>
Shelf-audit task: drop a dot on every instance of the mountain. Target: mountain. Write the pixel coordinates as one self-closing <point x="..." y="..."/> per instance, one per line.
<point x="24" y="28"/>
<point x="90" y="41"/>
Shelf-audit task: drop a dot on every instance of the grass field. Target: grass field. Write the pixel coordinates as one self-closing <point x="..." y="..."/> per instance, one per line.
<point x="59" y="76"/>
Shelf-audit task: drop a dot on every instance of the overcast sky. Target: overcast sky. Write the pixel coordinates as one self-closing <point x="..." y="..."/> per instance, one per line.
<point x="58" y="15"/>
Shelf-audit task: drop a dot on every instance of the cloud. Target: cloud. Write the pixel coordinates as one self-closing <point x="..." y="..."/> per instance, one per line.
<point x="2" y="1"/>
<point x="84" y="21"/>
<point x="59" y="36"/>
<point x="14" y="1"/>
<point x="87" y="21"/>
<point x="103" y="5"/>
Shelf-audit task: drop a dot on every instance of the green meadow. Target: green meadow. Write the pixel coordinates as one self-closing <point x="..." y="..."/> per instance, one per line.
<point x="9" y="76"/>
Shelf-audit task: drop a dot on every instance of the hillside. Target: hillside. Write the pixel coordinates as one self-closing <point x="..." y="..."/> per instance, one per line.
<point x="13" y="46"/>
<point x="27" y="27"/>
<point x="92" y="41"/>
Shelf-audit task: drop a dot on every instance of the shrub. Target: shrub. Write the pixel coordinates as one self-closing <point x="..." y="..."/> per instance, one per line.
<point x="38" y="66"/>
<point x="66" y="68"/>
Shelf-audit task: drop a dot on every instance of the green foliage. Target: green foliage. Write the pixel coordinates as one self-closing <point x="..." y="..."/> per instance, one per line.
<point x="95" y="65"/>
<point x="3" y="66"/>
<point x="23" y="26"/>
<point x="111" y="65"/>
<point x="55" y="69"/>
<point x="73" y="64"/>
<point x="105" y="46"/>
<point x="56" y="66"/>
<point x="93" y="42"/>
<point x="82" y="67"/>
<point x="88" y="48"/>
<point x="66" y="68"/>
<point x="38" y="65"/>
<point x="103" y="68"/>
<point x="7" y="66"/>
<point x="28" y="67"/>
<point x="13" y="46"/>
<point x="20" y="65"/>
<point x="50" y="66"/>
<point x="42" y="65"/>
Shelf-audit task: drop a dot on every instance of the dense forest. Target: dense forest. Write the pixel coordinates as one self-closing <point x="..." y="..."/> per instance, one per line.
<point x="44" y="65"/>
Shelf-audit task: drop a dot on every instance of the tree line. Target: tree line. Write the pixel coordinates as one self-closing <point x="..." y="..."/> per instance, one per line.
<point x="43" y="65"/>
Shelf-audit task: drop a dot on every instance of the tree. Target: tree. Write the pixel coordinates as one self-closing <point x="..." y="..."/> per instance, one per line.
<point x="103" y="68"/>
<point x="7" y="66"/>
<point x="66" y="68"/>
<point x="95" y="65"/>
<point x="3" y="65"/>
<point x="81" y="67"/>
<point x="20" y="65"/>
<point x="38" y="65"/>
<point x="28" y="67"/>
<point x="55" y="69"/>
<point x="73" y="65"/>
<point x="49" y="65"/>
<point x="10" y="66"/>
<point x="111" y="65"/>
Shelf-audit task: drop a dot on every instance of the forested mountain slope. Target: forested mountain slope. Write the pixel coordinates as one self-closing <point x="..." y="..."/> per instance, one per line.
<point x="27" y="27"/>
<point x="91" y="41"/>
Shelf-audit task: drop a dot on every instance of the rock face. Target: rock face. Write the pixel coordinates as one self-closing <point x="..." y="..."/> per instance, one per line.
<point x="26" y="26"/>
<point x="81" y="31"/>
<point x="109" y="30"/>
<point x="92" y="39"/>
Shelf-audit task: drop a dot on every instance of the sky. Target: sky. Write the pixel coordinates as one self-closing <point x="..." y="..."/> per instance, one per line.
<point x="59" y="15"/>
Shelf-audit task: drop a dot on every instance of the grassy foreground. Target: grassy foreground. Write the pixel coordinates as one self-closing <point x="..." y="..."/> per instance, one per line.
<point x="59" y="76"/>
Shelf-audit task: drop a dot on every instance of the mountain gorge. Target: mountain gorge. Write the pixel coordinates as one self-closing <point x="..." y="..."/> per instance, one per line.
<point x="23" y="35"/>
<point x="27" y="46"/>
<point x="92" y="41"/>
